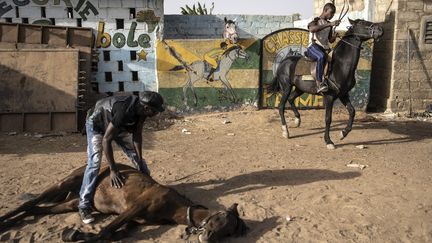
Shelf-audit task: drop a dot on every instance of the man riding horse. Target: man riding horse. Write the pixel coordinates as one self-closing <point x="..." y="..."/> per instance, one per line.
<point x="294" y="70"/>
<point x="322" y="35"/>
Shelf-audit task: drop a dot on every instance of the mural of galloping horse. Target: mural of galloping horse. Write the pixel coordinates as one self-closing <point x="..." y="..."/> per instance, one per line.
<point x="229" y="52"/>
<point x="197" y="71"/>
<point x="341" y="77"/>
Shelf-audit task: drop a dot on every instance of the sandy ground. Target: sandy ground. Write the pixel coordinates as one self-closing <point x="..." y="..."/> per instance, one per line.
<point x="271" y="178"/>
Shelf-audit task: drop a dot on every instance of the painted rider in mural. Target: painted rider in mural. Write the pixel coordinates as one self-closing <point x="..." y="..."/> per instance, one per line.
<point x="322" y="35"/>
<point x="119" y="119"/>
<point x="230" y="39"/>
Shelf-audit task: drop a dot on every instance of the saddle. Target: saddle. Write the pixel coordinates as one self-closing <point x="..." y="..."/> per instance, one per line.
<point x="306" y="67"/>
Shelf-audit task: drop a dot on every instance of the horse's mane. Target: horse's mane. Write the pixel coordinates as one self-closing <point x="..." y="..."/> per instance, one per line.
<point x="228" y="50"/>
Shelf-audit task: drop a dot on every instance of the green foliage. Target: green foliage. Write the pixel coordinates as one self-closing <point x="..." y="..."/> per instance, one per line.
<point x="197" y="10"/>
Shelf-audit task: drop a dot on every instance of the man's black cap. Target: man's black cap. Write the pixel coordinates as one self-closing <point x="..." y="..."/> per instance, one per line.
<point x="152" y="99"/>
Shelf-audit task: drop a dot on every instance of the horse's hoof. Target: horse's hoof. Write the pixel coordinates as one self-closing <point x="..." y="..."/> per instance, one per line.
<point x="69" y="235"/>
<point x="285" y="132"/>
<point x="297" y="122"/>
<point x="330" y="146"/>
<point x="342" y="135"/>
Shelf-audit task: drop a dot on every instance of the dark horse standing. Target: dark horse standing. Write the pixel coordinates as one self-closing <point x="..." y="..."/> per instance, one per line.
<point x="341" y="77"/>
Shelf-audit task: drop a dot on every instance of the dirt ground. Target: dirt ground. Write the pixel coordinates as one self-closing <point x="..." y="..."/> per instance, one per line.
<point x="292" y="190"/>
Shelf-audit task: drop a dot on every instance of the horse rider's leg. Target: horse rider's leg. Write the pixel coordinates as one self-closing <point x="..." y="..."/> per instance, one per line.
<point x="295" y="93"/>
<point x="107" y="232"/>
<point x="70" y="183"/>
<point x="328" y="101"/>
<point x="347" y="103"/>
<point x="125" y="141"/>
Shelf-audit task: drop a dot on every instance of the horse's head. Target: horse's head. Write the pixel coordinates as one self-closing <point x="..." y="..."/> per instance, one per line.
<point x="222" y="224"/>
<point x="230" y="31"/>
<point x="365" y="30"/>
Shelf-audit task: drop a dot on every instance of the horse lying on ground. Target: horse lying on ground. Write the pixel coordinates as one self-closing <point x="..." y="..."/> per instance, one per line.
<point x="140" y="200"/>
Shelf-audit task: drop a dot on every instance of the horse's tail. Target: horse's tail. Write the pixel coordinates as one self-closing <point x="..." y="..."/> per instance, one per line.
<point x="274" y="86"/>
<point x="178" y="57"/>
<point x="177" y="68"/>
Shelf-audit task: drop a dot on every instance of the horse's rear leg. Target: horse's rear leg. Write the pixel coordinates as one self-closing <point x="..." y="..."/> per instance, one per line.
<point x="185" y="88"/>
<point x="284" y="99"/>
<point x="296" y="93"/>
<point x="69" y="206"/>
<point x="347" y="103"/>
<point x="70" y="183"/>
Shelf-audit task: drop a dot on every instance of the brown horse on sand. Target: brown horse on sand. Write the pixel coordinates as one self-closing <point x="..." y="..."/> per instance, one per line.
<point x="140" y="200"/>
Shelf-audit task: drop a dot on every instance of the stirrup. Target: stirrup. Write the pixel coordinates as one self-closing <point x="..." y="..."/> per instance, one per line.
<point x="323" y="88"/>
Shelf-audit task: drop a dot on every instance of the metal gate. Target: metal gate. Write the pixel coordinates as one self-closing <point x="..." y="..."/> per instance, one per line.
<point x="275" y="47"/>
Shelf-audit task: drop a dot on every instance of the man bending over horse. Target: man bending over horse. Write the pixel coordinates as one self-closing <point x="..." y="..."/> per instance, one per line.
<point x="322" y="35"/>
<point x="119" y="119"/>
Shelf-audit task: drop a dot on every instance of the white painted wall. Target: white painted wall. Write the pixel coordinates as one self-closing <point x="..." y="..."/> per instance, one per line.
<point x="106" y="11"/>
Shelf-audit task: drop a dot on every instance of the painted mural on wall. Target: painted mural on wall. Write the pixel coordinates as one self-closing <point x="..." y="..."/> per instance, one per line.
<point x="288" y="42"/>
<point x="213" y="66"/>
<point x="184" y="70"/>
<point x="125" y="34"/>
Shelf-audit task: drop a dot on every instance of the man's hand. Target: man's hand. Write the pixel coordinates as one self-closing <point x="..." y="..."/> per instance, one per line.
<point x="117" y="179"/>
<point x="335" y="23"/>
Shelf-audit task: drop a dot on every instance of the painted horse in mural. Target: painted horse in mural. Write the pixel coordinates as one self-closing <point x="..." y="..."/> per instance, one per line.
<point x="198" y="70"/>
<point x="341" y="77"/>
<point x="215" y="68"/>
<point x="140" y="201"/>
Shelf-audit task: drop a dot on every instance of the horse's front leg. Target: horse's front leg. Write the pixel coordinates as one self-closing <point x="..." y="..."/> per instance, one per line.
<point x="228" y="87"/>
<point x="347" y="103"/>
<point x="328" y="102"/>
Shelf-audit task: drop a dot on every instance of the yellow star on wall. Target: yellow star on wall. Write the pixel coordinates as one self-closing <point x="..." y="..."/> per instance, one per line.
<point x="142" y="55"/>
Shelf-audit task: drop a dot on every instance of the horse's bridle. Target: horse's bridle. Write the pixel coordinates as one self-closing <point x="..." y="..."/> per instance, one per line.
<point x="226" y="53"/>
<point x="192" y="227"/>
<point x="371" y="31"/>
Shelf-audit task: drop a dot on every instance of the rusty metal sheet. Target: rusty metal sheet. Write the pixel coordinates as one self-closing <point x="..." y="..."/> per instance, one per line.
<point x="8" y="32"/>
<point x="28" y="84"/>
<point x="80" y="37"/>
<point x="55" y="36"/>
<point x="30" y="34"/>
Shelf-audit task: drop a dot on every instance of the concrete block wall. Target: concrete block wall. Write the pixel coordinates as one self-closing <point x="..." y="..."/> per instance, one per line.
<point x="411" y="86"/>
<point x="90" y="14"/>
<point x="211" y="26"/>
